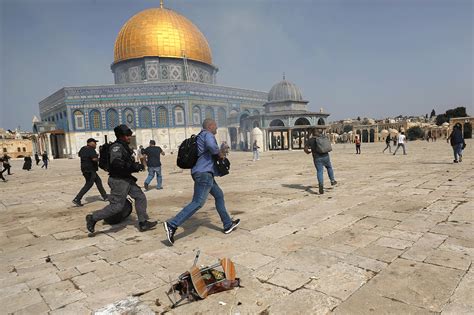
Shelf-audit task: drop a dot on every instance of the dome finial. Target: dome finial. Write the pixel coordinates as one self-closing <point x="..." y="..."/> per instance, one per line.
<point x="161" y="4"/>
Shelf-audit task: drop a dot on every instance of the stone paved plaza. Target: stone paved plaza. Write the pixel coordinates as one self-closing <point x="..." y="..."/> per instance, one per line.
<point x="394" y="236"/>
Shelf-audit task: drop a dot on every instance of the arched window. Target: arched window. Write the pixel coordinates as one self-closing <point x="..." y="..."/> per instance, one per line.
<point x="302" y="121"/>
<point x="95" y="120"/>
<point x="112" y="119"/>
<point x="178" y="116"/>
<point x="128" y="117"/>
<point x="79" y="120"/>
<point x="162" y="117"/>
<point x="196" y="115"/>
<point x="145" y="117"/>
<point x="221" y="117"/>
<point x="276" y="122"/>
<point x="255" y="112"/>
<point x="321" y="122"/>
<point x="209" y="112"/>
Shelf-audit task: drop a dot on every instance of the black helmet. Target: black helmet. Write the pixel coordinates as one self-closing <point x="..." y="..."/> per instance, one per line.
<point x="122" y="130"/>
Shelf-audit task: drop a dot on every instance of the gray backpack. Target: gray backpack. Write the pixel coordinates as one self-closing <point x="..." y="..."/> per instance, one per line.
<point x="322" y="145"/>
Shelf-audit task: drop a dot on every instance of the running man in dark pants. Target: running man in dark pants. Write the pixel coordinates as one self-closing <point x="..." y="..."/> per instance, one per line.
<point x="121" y="166"/>
<point x="6" y="164"/>
<point x="89" y="168"/>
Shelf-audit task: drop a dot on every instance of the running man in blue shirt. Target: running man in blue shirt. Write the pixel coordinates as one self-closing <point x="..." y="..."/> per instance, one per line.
<point x="203" y="174"/>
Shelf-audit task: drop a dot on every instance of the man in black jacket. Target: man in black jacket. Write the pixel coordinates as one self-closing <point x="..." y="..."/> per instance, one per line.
<point x="89" y="168"/>
<point x="121" y="166"/>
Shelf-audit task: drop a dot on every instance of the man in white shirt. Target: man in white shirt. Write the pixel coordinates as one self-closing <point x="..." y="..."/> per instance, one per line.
<point x="401" y="143"/>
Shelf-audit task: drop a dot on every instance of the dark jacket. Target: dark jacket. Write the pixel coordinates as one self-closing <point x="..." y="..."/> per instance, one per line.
<point x="122" y="162"/>
<point x="456" y="137"/>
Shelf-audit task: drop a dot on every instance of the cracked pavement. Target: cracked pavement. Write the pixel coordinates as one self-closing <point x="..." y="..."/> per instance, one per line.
<point x="395" y="236"/>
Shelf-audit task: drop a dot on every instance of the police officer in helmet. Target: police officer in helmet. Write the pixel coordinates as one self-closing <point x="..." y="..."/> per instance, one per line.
<point x="121" y="166"/>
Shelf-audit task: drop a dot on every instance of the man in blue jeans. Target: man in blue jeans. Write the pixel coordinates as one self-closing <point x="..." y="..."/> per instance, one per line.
<point x="320" y="161"/>
<point x="153" y="162"/>
<point x="203" y="174"/>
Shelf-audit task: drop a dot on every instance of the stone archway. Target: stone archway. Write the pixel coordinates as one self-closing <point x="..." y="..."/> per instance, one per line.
<point x="365" y="136"/>
<point x="277" y="123"/>
<point x="302" y="122"/>
<point x="372" y="135"/>
<point x="468" y="130"/>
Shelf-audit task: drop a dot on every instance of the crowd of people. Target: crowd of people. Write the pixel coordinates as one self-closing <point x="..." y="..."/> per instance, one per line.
<point x="27" y="164"/>
<point x="122" y="162"/>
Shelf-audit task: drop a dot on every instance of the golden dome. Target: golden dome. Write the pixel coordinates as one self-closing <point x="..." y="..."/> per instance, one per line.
<point x="159" y="32"/>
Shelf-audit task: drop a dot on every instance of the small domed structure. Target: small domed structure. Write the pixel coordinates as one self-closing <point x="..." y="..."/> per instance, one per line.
<point x="284" y="91"/>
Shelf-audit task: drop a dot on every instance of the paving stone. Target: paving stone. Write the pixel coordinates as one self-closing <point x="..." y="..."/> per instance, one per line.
<point x="368" y="300"/>
<point x="78" y="307"/>
<point x="382" y="253"/>
<point x="462" y="230"/>
<point x="393" y="243"/>
<point x="39" y="308"/>
<point x="19" y="301"/>
<point x="462" y="302"/>
<point x="449" y="258"/>
<point x="432" y="289"/>
<point x="252" y="260"/>
<point x="340" y="280"/>
<point x="304" y="302"/>
<point x="60" y="294"/>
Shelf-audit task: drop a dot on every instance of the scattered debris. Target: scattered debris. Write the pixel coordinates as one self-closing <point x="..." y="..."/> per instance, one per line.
<point x="47" y="259"/>
<point x="130" y="305"/>
<point x="198" y="283"/>
<point x="222" y="303"/>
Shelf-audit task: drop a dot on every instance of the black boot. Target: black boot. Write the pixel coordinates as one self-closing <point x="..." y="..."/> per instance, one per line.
<point x="90" y="223"/>
<point x="146" y="225"/>
<point x="321" y="189"/>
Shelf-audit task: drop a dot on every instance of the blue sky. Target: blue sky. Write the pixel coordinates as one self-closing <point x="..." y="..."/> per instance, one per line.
<point x="373" y="58"/>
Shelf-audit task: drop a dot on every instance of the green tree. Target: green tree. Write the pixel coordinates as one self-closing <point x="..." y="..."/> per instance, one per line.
<point x="415" y="133"/>
<point x="441" y="119"/>
<point x="433" y="113"/>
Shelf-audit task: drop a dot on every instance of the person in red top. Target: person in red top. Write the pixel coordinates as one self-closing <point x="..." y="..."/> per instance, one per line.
<point x="357" y="142"/>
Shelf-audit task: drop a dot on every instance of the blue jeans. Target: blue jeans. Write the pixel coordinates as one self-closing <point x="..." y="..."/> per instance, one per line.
<point x="204" y="184"/>
<point x="457" y="150"/>
<point x="320" y="162"/>
<point x="151" y="174"/>
<point x="255" y="155"/>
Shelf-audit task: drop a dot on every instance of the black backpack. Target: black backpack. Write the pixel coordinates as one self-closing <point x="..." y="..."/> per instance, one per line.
<point x="188" y="153"/>
<point x="104" y="156"/>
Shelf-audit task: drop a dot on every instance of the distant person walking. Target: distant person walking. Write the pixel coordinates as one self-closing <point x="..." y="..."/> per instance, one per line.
<point x="3" y="170"/>
<point x="320" y="149"/>
<point x="37" y="159"/>
<point x="357" y="143"/>
<point x="140" y="156"/>
<point x="387" y="144"/>
<point x="45" y="159"/>
<point x="89" y="168"/>
<point x="255" y="148"/>
<point x="27" y="163"/>
<point x="6" y="164"/>
<point x="152" y="156"/>
<point x="401" y="143"/>
<point x="456" y="140"/>
<point x="203" y="174"/>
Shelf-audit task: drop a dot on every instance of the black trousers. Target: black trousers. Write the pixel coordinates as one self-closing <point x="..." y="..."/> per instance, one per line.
<point x="91" y="178"/>
<point x="6" y="167"/>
